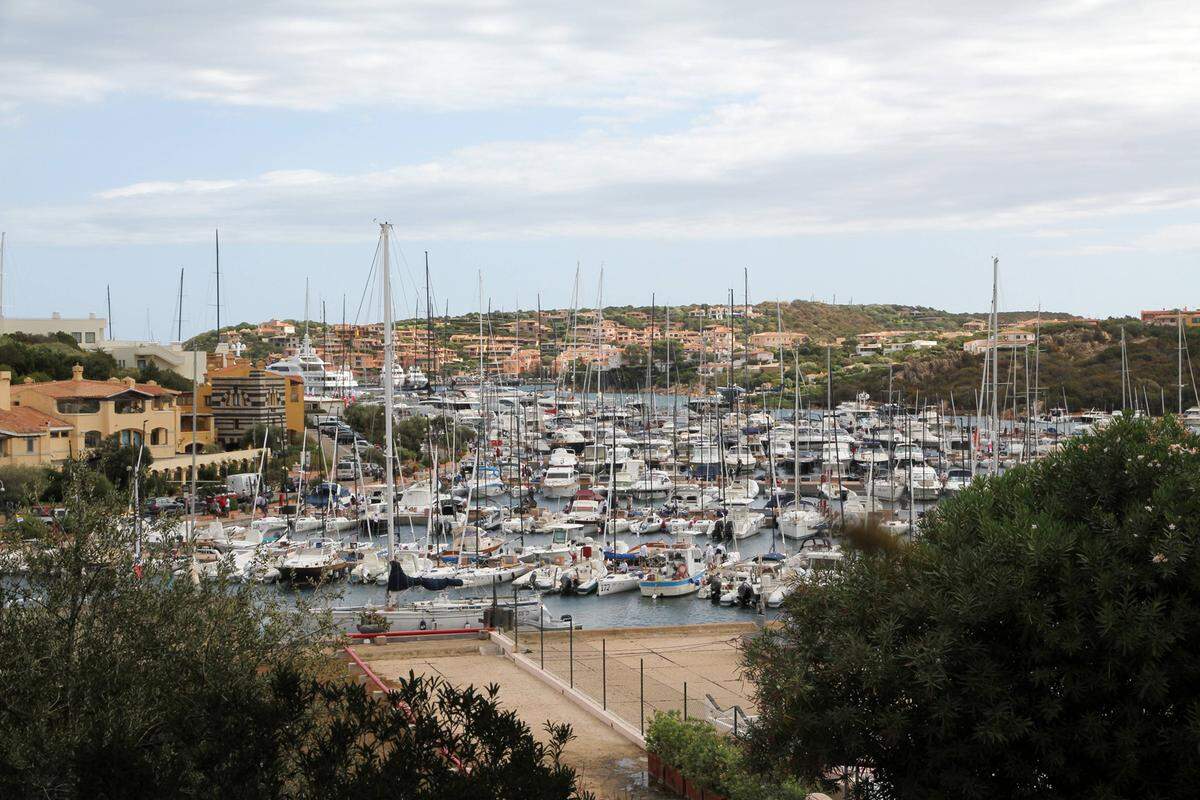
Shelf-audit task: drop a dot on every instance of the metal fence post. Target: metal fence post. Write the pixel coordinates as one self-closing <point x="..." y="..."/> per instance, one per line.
<point x="604" y="673"/>
<point x="642" y="693"/>
<point x="685" y="700"/>
<point x="542" y="637"/>
<point x="516" y="623"/>
<point x="735" y="715"/>
<point x="571" y="651"/>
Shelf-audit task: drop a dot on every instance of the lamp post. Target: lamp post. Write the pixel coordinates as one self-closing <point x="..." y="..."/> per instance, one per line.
<point x="570" y="647"/>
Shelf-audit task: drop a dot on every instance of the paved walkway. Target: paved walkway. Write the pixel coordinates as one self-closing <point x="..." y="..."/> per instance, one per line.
<point x="608" y="764"/>
<point x="612" y="666"/>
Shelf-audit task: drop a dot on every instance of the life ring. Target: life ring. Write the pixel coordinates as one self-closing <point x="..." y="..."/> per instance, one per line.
<point x="422" y="626"/>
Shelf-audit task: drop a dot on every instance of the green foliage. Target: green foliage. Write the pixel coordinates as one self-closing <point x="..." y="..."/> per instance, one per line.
<point x="23" y="485"/>
<point x="119" y="682"/>
<point x="164" y="378"/>
<point x="412" y="433"/>
<point x="51" y="358"/>
<point x="713" y="761"/>
<point x="1040" y="639"/>
<point x="274" y="437"/>
<point x="257" y="348"/>
<point x="116" y="461"/>
<point x="1080" y="365"/>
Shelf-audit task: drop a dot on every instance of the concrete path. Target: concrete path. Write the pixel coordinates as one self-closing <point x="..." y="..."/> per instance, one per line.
<point x="607" y="763"/>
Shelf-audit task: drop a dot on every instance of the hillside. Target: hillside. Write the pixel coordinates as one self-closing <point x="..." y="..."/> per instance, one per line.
<point x="1080" y="365"/>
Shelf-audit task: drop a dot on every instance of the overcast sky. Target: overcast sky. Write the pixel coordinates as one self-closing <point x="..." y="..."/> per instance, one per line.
<point x="879" y="152"/>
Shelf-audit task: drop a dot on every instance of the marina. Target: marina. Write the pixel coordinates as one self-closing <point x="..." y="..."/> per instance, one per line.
<point x="565" y="504"/>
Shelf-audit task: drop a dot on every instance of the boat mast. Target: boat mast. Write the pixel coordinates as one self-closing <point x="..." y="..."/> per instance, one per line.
<point x="483" y="412"/>
<point x="1179" y="356"/>
<point x="428" y="331"/>
<point x="179" y="320"/>
<point x="2" y="238"/>
<point x="995" y="368"/>
<point x="389" y="388"/>
<point x="650" y="363"/>
<point x="796" y="423"/>
<point x="217" y="242"/>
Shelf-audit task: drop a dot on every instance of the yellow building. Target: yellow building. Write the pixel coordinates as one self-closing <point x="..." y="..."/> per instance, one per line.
<point x="96" y="410"/>
<point x="29" y="437"/>
<point x="202" y="419"/>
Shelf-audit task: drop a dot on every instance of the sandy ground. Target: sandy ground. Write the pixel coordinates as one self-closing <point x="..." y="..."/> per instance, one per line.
<point x="607" y="763"/>
<point x="612" y="665"/>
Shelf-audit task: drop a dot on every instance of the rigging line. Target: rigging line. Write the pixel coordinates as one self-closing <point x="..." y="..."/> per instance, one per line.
<point x="408" y="269"/>
<point x="370" y="282"/>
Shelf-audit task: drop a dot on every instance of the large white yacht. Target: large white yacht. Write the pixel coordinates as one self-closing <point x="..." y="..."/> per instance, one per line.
<point x="321" y="382"/>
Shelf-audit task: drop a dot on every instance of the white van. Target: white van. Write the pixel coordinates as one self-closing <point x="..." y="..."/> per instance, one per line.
<point x="244" y="484"/>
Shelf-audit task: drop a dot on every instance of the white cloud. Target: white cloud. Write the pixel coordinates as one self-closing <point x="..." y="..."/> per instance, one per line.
<point x="797" y="118"/>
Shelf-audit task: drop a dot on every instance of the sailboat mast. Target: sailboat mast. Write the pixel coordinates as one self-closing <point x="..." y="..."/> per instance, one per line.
<point x="389" y="358"/>
<point x="179" y="319"/>
<point x="1037" y="359"/>
<point x="428" y="327"/>
<point x="1179" y="357"/>
<point x="108" y="297"/>
<point x="217" y="242"/>
<point x="2" y="238"/>
<point x="650" y="362"/>
<point x="995" y="367"/>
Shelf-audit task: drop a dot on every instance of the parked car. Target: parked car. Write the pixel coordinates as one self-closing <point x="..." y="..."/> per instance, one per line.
<point x="157" y="506"/>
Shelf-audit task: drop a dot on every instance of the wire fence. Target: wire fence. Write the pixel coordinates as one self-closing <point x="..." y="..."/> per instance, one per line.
<point x="620" y="677"/>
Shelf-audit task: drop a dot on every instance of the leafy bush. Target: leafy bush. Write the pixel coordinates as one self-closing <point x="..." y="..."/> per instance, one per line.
<point x="120" y="680"/>
<point x="1042" y="638"/>
<point x="713" y="761"/>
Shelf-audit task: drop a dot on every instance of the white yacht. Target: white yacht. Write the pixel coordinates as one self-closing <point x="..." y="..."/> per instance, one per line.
<point x="321" y="382"/>
<point x="560" y="482"/>
<point x="923" y="482"/>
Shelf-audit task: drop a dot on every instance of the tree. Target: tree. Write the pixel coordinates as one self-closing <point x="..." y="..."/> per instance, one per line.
<point x="124" y="682"/>
<point x="115" y="461"/>
<point x="22" y="485"/>
<point x="1042" y="638"/>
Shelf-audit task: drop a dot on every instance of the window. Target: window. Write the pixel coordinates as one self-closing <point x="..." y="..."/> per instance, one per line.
<point x="29" y="445"/>
<point x="158" y="436"/>
<point x="129" y="406"/>
<point x="90" y="338"/>
<point x="78" y="406"/>
<point x="91" y="439"/>
<point x="77" y="336"/>
<point x="130" y="437"/>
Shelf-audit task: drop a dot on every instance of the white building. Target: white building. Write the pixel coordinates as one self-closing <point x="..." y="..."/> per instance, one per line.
<point x="86" y="331"/>
<point x="138" y="354"/>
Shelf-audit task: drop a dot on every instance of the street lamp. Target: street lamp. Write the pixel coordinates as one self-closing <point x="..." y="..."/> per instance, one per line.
<point x="571" y="646"/>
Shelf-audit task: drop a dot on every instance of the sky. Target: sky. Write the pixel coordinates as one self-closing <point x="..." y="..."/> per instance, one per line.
<point x="868" y="152"/>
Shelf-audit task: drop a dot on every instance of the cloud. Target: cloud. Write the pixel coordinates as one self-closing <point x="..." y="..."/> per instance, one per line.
<point x="782" y="119"/>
